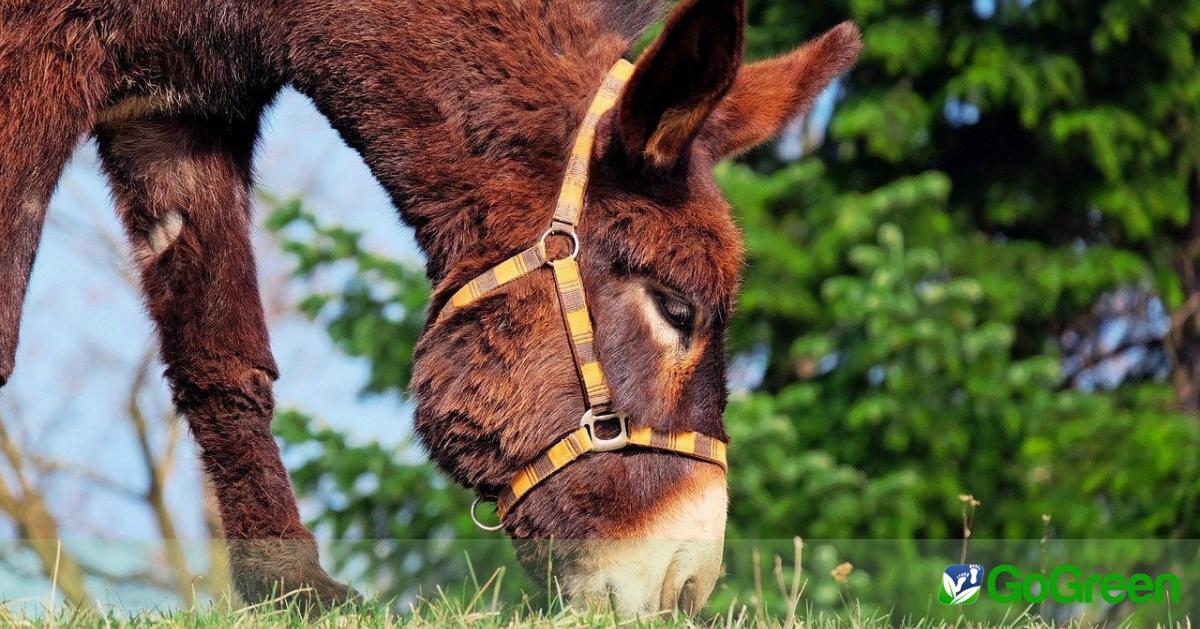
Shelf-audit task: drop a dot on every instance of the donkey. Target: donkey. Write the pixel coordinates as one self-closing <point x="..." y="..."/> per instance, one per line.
<point x="465" y="111"/>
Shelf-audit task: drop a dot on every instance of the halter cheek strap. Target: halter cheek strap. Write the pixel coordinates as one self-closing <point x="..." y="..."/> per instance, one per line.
<point x="573" y="303"/>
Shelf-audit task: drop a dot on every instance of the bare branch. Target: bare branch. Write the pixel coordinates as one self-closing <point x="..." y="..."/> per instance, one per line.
<point x="219" y="579"/>
<point x="14" y="457"/>
<point x="38" y="529"/>
<point x="157" y="468"/>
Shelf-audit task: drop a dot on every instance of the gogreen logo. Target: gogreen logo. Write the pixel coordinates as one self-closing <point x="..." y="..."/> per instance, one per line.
<point x="1066" y="583"/>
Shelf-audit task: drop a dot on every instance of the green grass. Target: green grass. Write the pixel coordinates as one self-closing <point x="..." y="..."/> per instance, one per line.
<point x="447" y="614"/>
<point x="483" y="610"/>
<point x="480" y="603"/>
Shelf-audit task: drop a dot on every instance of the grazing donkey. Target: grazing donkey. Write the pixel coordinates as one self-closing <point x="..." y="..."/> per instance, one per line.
<point x="465" y="110"/>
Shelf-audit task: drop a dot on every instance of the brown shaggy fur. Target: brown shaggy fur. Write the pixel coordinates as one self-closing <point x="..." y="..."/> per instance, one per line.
<point x="464" y="110"/>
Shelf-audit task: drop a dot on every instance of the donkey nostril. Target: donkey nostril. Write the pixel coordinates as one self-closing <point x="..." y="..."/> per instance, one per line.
<point x="687" y="601"/>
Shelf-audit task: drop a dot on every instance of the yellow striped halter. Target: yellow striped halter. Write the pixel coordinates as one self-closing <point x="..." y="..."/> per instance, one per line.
<point x="573" y="304"/>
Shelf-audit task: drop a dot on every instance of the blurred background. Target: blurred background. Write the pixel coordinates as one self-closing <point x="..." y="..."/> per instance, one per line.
<point x="972" y="309"/>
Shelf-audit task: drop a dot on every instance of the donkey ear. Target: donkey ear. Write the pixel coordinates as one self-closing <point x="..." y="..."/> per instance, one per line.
<point x="680" y="79"/>
<point x="767" y="94"/>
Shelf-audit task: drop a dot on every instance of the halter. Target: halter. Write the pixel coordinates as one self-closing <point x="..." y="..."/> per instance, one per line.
<point x="573" y="305"/>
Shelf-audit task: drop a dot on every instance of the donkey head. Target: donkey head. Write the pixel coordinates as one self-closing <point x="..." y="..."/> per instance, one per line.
<point x="660" y="261"/>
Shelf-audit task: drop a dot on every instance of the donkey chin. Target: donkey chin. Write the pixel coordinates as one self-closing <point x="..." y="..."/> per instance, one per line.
<point x="669" y="561"/>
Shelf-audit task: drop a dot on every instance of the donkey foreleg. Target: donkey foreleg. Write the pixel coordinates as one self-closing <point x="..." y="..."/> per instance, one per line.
<point x="182" y="186"/>
<point x="47" y="100"/>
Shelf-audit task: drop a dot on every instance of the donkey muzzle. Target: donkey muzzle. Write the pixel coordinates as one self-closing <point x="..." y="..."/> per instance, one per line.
<point x="670" y="561"/>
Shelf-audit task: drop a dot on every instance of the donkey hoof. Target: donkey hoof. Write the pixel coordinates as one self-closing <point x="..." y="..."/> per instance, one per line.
<point x="312" y="593"/>
<point x="286" y="573"/>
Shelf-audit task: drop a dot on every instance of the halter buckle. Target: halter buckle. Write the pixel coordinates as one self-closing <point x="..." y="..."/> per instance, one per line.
<point x="606" y="444"/>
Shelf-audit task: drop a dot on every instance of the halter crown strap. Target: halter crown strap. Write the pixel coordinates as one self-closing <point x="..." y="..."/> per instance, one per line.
<point x="574" y="186"/>
<point x="570" y="199"/>
<point x="573" y="303"/>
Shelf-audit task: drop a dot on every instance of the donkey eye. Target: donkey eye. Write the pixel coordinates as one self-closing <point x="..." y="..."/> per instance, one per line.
<point x="675" y="310"/>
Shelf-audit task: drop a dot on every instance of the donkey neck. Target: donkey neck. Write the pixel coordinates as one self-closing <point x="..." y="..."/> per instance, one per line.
<point x="464" y="111"/>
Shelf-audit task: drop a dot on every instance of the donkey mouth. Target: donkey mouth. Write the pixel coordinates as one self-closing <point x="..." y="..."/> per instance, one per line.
<point x="669" y="562"/>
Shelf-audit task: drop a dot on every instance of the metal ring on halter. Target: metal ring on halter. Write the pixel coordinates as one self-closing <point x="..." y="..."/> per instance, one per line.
<point x="563" y="230"/>
<point x="475" y="519"/>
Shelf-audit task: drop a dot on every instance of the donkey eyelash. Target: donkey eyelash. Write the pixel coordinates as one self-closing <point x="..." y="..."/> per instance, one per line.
<point x="676" y="310"/>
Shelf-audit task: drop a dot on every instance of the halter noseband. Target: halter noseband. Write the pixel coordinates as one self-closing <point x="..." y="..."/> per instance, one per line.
<point x="573" y="303"/>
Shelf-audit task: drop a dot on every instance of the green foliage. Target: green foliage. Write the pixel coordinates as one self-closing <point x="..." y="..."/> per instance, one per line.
<point x="986" y="179"/>
<point x="381" y="504"/>
<point x="1058" y="120"/>
<point x="378" y="311"/>
<point x="895" y="379"/>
